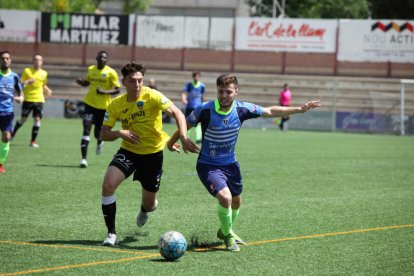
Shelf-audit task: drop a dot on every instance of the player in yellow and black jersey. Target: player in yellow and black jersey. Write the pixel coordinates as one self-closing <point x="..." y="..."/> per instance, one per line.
<point x="35" y="92"/>
<point x="103" y="82"/>
<point x="143" y="140"/>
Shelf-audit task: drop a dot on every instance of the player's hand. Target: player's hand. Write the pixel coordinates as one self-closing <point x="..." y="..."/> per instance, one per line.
<point x="18" y="99"/>
<point x="130" y="137"/>
<point x="189" y="145"/>
<point x="174" y="147"/>
<point x="47" y="92"/>
<point x="82" y="82"/>
<point x="30" y="81"/>
<point x="310" y="105"/>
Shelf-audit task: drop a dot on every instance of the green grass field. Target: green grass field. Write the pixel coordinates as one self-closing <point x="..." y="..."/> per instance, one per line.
<point x="313" y="203"/>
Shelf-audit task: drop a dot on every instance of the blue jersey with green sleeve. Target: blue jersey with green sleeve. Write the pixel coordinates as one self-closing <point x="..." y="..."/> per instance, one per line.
<point x="194" y="94"/>
<point x="9" y="83"/>
<point x="221" y="130"/>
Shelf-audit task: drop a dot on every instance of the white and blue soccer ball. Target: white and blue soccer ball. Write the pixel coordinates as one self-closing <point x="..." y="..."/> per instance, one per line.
<point x="172" y="245"/>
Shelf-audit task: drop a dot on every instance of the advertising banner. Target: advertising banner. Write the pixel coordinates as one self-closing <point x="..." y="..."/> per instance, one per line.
<point x="360" y="121"/>
<point x="84" y="28"/>
<point x="160" y="31"/>
<point x="376" y="41"/>
<point x="286" y="35"/>
<point x="196" y="32"/>
<point x="14" y="29"/>
<point x="221" y="33"/>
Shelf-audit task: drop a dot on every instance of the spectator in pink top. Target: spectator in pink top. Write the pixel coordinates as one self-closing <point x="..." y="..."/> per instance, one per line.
<point x="284" y="100"/>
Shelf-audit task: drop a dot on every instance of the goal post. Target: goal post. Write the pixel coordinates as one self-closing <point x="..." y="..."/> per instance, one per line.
<point x="404" y="83"/>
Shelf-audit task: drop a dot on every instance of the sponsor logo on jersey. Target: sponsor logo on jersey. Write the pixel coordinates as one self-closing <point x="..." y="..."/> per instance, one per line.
<point x="140" y="105"/>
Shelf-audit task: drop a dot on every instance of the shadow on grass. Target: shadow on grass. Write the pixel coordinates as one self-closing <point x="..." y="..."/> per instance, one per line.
<point x="200" y="241"/>
<point x="124" y="244"/>
<point x="206" y="247"/>
<point x="162" y="260"/>
<point x="57" y="166"/>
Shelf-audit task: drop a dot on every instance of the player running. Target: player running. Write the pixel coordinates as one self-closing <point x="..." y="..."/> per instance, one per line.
<point x="103" y="82"/>
<point x="217" y="167"/>
<point x="143" y="140"/>
<point x="35" y="91"/>
<point x="9" y="86"/>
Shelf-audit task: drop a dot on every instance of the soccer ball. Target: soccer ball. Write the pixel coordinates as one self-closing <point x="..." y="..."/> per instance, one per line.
<point x="172" y="245"/>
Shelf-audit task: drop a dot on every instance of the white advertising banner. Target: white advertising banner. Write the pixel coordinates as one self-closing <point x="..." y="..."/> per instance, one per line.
<point x="196" y="32"/>
<point x="18" y="26"/>
<point x="286" y="35"/>
<point x="221" y="33"/>
<point x="160" y="31"/>
<point x="376" y="40"/>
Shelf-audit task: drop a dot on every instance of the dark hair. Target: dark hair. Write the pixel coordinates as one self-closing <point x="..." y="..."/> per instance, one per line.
<point x="102" y="52"/>
<point x="4" y="52"/>
<point x="133" y="67"/>
<point x="195" y="73"/>
<point x="226" y="79"/>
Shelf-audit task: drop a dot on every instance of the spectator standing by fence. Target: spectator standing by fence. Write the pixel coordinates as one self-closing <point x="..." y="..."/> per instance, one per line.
<point x="284" y="100"/>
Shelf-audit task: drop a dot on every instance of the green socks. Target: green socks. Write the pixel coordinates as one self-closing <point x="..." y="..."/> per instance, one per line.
<point x="225" y="217"/>
<point x="234" y="215"/>
<point x="4" y="151"/>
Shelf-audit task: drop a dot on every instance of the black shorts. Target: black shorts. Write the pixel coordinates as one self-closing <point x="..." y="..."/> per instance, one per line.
<point x="95" y="115"/>
<point x="147" y="168"/>
<point x="28" y="107"/>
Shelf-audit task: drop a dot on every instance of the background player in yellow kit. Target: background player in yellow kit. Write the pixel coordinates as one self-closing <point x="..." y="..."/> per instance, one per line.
<point x="103" y="82"/>
<point x="35" y="92"/>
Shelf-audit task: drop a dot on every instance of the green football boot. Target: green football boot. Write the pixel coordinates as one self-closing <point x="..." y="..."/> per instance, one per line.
<point x="238" y="240"/>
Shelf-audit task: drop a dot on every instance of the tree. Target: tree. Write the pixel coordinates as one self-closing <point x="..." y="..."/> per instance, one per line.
<point x="132" y="6"/>
<point x="49" y="5"/>
<point x="385" y="9"/>
<point x="83" y="6"/>
<point x="316" y="8"/>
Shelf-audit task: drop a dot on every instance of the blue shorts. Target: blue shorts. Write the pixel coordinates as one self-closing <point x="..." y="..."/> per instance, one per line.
<point x="216" y="178"/>
<point x="6" y="122"/>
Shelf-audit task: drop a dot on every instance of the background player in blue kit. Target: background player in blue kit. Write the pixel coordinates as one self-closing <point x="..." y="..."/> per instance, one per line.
<point x="217" y="167"/>
<point x="192" y="97"/>
<point x="9" y="86"/>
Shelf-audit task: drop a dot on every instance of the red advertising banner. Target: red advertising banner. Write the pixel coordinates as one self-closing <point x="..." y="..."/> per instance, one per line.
<point x="286" y="35"/>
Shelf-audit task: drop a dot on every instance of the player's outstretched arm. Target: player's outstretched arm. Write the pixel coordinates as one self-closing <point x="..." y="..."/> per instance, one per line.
<point x="276" y="111"/>
<point x="107" y="134"/>
<point x="181" y="133"/>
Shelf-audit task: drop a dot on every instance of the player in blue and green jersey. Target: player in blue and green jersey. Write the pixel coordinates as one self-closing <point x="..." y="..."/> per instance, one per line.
<point x="9" y="86"/>
<point x="217" y="166"/>
<point x="192" y="97"/>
